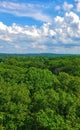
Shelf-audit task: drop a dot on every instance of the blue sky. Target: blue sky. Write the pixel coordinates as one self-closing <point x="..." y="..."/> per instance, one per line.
<point x="37" y="26"/>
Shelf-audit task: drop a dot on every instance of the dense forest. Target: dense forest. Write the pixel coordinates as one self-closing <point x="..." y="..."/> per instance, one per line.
<point x="39" y="93"/>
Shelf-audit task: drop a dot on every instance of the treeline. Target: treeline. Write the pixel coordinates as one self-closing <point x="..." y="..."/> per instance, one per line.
<point x="39" y="93"/>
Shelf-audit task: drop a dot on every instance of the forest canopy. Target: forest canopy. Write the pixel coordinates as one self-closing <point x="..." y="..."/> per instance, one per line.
<point x="39" y="93"/>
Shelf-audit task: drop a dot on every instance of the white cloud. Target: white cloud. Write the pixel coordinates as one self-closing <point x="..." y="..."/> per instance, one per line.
<point x="67" y="7"/>
<point x="77" y="0"/>
<point x="57" y="8"/>
<point x="78" y="5"/>
<point x="62" y="35"/>
<point x="72" y="17"/>
<point x="24" y="10"/>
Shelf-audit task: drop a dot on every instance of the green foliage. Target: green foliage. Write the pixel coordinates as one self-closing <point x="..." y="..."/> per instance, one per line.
<point x="39" y="93"/>
<point x="14" y="102"/>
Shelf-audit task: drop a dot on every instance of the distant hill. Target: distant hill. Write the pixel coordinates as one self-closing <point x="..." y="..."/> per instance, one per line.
<point x="38" y="54"/>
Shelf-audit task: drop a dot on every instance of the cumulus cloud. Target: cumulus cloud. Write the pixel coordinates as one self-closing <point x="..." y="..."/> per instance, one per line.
<point x="24" y="10"/>
<point x="67" y="7"/>
<point x="77" y="5"/>
<point x="62" y="35"/>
